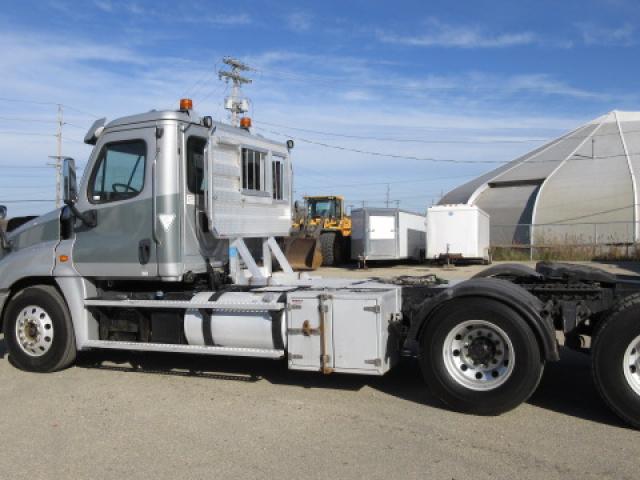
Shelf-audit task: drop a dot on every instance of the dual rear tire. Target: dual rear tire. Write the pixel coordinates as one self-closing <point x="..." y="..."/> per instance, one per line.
<point x="615" y="358"/>
<point x="481" y="357"/>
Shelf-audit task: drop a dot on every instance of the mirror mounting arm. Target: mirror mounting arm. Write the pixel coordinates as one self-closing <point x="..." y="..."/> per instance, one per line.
<point x="89" y="219"/>
<point x="5" y="243"/>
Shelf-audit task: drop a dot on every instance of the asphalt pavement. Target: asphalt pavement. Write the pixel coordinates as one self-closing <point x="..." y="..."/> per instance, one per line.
<point x="174" y="416"/>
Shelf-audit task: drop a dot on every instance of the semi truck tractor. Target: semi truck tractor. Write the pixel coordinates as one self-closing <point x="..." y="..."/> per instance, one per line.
<point x="167" y="244"/>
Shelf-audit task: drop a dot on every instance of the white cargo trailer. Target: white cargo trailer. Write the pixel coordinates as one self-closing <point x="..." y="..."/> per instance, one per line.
<point x="386" y="234"/>
<point x="457" y="232"/>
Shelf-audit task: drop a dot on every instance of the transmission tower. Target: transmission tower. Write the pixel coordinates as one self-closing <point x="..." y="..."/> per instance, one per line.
<point x="235" y="103"/>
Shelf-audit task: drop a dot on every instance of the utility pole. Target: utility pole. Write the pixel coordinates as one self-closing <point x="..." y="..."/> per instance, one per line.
<point x="388" y="194"/>
<point x="58" y="156"/>
<point x="234" y="103"/>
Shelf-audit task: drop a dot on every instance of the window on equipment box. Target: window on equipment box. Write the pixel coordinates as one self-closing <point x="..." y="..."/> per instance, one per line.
<point x="252" y="169"/>
<point x="277" y="174"/>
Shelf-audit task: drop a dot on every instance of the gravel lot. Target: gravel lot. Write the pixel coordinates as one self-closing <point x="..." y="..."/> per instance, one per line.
<point x="172" y="416"/>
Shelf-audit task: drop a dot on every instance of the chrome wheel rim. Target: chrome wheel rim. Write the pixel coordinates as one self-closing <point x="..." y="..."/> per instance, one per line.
<point x="631" y="365"/>
<point x="34" y="331"/>
<point x="478" y="355"/>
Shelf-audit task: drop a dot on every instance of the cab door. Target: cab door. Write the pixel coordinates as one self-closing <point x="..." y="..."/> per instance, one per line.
<point x="117" y="188"/>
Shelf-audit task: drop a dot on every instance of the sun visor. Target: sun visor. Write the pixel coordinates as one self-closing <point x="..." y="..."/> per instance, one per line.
<point x="95" y="131"/>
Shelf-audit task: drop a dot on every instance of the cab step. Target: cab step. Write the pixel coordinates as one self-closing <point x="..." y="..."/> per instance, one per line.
<point x="193" y="349"/>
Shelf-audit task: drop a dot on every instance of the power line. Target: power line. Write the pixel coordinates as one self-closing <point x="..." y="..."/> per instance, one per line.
<point x="442" y="160"/>
<point x="76" y="126"/>
<point x="36" y="102"/>
<point x="33" y="134"/>
<point x="30" y="120"/>
<point x="386" y="155"/>
<point x="38" y="120"/>
<point x="27" y="201"/>
<point x="366" y="184"/>
<point x="22" y="187"/>
<point x="23" y="166"/>
<point x="405" y="140"/>
<point x="22" y="100"/>
<point x="83" y="112"/>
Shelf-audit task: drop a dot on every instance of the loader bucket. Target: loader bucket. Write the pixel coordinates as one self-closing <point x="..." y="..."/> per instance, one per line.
<point x="303" y="253"/>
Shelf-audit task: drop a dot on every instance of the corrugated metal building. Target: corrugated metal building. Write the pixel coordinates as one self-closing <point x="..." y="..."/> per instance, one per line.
<point x="578" y="188"/>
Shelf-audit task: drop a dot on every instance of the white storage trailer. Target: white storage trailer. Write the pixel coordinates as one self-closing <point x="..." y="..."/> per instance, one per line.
<point x="386" y="234"/>
<point x="457" y="232"/>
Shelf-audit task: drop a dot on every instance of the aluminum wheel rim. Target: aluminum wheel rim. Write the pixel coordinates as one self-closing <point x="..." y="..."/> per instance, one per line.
<point x="485" y="371"/>
<point x="631" y="365"/>
<point x="34" y="331"/>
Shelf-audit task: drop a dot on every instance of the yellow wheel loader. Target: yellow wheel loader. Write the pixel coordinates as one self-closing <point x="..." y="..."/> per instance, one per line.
<point x="320" y="234"/>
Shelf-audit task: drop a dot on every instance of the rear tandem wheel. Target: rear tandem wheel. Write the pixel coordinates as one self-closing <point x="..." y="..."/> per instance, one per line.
<point x="480" y="356"/>
<point x="615" y="360"/>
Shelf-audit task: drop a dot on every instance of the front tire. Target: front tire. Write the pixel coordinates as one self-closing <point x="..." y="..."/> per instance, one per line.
<point x="330" y="247"/>
<point x="38" y="330"/>
<point x="480" y="357"/>
<point x="616" y="360"/>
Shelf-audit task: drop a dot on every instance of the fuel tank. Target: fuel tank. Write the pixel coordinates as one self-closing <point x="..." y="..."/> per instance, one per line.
<point x="244" y="328"/>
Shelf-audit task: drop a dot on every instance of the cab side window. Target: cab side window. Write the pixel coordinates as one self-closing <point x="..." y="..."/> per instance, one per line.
<point x="195" y="165"/>
<point x="119" y="172"/>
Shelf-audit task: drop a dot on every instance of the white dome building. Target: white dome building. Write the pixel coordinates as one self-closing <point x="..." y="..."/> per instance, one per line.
<point x="578" y="188"/>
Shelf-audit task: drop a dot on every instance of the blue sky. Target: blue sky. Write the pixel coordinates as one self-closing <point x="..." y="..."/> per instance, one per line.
<point x="479" y="81"/>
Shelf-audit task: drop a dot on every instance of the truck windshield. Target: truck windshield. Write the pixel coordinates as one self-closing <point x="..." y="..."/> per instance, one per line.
<point x="322" y="208"/>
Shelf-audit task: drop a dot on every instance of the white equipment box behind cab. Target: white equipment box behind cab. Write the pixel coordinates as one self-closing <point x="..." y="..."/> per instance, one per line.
<point x="386" y="234"/>
<point x="457" y="231"/>
<point x="351" y="328"/>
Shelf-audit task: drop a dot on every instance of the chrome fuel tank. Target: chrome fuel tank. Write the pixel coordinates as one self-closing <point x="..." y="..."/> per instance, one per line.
<point x="246" y="328"/>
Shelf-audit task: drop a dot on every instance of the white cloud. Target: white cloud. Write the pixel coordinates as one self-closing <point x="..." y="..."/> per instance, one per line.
<point x="592" y="34"/>
<point x="323" y="92"/>
<point x="175" y="14"/>
<point x="358" y="96"/>
<point x="299" y="21"/>
<point x="104" y="5"/>
<point x="438" y="34"/>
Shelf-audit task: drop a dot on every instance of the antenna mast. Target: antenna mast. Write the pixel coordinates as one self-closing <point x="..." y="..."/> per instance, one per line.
<point x="235" y="103"/>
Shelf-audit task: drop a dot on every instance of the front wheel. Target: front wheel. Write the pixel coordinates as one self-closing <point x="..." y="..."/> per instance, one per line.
<point x="38" y="330"/>
<point x="480" y="356"/>
<point x="616" y="360"/>
<point x="330" y="247"/>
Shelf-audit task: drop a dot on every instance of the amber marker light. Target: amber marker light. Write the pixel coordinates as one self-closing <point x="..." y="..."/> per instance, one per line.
<point x="186" y="104"/>
<point x="63" y="258"/>
<point x="245" y="122"/>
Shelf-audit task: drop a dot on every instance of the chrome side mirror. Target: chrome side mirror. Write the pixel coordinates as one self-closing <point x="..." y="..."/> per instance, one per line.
<point x="3" y="212"/>
<point x="70" y="183"/>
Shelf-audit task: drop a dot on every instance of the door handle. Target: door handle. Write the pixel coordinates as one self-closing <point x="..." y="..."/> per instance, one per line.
<point x="144" y="251"/>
